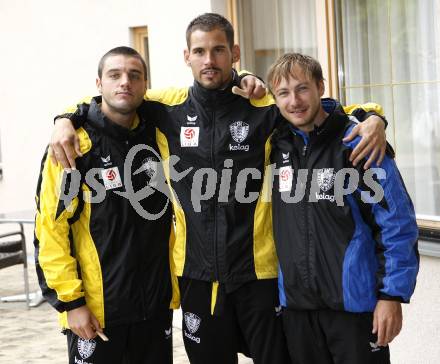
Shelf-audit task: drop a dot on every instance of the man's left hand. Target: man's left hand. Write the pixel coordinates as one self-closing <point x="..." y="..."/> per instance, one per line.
<point x="372" y="144"/>
<point x="387" y="321"/>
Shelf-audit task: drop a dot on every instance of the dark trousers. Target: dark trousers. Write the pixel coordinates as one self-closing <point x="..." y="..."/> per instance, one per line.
<point x="246" y="320"/>
<point x="145" y="342"/>
<point x="332" y="337"/>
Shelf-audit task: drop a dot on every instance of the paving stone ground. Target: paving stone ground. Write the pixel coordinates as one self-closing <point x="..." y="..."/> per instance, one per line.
<point x="33" y="336"/>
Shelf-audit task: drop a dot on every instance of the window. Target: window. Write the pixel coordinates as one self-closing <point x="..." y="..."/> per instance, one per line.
<point x="268" y="29"/>
<point x="389" y="52"/>
<point x="140" y="43"/>
<point x="370" y="50"/>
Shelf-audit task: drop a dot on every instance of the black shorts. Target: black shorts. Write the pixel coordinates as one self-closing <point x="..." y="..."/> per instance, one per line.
<point x="249" y="321"/>
<point x="144" y="342"/>
<point x="332" y="337"/>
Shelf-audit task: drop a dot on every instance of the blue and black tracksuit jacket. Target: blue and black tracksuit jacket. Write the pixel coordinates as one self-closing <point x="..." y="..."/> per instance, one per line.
<point x="342" y="256"/>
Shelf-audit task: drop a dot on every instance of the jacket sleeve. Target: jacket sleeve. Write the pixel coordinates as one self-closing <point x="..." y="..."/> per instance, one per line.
<point x="77" y="114"/>
<point x="57" y="269"/>
<point x="392" y="220"/>
<point x="363" y="111"/>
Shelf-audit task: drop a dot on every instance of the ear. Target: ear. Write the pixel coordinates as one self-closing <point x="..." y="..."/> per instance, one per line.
<point x="186" y="57"/>
<point x="321" y="88"/>
<point x="235" y="53"/>
<point x="98" y="85"/>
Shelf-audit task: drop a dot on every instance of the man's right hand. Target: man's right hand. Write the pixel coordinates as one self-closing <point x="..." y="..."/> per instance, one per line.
<point x="64" y="144"/>
<point x="83" y="323"/>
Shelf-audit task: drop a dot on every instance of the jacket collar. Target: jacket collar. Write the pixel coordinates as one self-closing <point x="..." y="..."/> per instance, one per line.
<point x="101" y="122"/>
<point x="214" y="98"/>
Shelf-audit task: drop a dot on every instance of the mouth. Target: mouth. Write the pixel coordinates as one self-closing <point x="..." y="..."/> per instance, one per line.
<point x="124" y="93"/>
<point x="210" y="72"/>
<point x="298" y="112"/>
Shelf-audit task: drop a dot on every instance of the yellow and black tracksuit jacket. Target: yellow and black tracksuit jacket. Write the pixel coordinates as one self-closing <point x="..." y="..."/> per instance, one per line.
<point x="210" y="140"/>
<point x="102" y="252"/>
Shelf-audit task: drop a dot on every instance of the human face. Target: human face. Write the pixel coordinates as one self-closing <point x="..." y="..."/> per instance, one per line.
<point x="122" y="85"/>
<point x="211" y="57"/>
<point x="299" y="100"/>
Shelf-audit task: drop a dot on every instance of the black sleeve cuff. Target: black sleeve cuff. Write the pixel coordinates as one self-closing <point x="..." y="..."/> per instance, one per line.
<point x="363" y="115"/>
<point x="68" y="306"/>
<point x="369" y="113"/>
<point x="63" y="116"/>
<point x="385" y="297"/>
<point x="244" y="74"/>
<point x="78" y="118"/>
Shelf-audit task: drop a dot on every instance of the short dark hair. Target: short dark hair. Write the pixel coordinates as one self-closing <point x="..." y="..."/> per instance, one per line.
<point x="124" y="51"/>
<point x="208" y="22"/>
<point x="283" y="68"/>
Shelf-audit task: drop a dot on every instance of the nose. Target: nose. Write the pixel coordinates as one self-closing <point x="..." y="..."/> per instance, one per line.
<point x="294" y="99"/>
<point x="209" y="58"/>
<point x="125" y="79"/>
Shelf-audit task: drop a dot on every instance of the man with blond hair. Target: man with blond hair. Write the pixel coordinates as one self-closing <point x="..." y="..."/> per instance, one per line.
<point x="346" y="237"/>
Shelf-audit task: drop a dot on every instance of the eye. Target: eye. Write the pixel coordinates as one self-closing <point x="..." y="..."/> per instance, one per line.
<point x="282" y="94"/>
<point x="135" y="76"/>
<point x="113" y="76"/>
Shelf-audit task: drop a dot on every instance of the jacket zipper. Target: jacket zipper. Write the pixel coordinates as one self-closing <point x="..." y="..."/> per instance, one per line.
<point x="216" y="269"/>
<point x="143" y="312"/>
<point x="303" y="164"/>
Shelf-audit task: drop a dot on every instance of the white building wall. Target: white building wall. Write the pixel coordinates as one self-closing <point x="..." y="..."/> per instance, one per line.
<point x="49" y="55"/>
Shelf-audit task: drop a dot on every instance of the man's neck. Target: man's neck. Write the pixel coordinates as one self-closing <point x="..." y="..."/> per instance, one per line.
<point x="124" y="120"/>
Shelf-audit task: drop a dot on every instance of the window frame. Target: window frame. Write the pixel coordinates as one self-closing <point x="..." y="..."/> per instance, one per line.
<point x="429" y="228"/>
<point x="139" y="36"/>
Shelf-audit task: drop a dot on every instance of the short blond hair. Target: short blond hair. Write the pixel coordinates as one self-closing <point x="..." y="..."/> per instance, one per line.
<point x="284" y="68"/>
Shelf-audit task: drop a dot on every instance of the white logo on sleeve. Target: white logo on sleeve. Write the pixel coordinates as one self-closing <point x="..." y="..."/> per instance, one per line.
<point x="192" y="322"/>
<point x="86" y="347"/>
<point x="285" y="180"/>
<point x="189" y="136"/>
<point x="111" y="178"/>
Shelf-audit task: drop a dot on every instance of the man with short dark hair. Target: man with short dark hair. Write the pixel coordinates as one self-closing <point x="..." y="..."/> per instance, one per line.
<point x="101" y="265"/>
<point x="346" y="237"/>
<point x="224" y="253"/>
